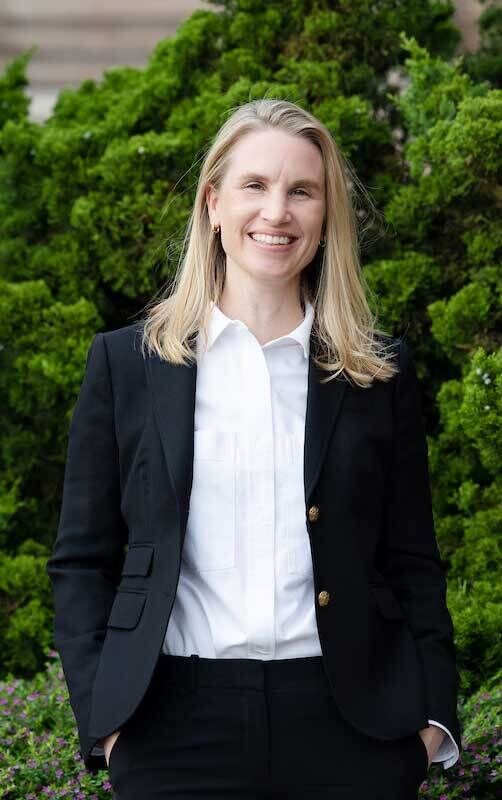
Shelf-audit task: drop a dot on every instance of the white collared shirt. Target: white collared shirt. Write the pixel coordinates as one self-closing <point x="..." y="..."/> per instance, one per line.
<point x="246" y="586"/>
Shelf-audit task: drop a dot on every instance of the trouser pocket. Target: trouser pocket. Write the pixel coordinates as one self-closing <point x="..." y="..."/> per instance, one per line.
<point x="423" y="756"/>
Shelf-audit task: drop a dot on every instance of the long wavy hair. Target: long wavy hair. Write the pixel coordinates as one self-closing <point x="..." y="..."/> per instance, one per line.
<point x="344" y="333"/>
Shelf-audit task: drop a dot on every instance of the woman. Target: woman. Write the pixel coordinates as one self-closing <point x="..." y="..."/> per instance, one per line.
<point x="278" y="622"/>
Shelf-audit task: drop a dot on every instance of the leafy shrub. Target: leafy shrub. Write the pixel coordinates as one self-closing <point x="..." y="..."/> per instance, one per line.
<point x="25" y="609"/>
<point x="39" y="743"/>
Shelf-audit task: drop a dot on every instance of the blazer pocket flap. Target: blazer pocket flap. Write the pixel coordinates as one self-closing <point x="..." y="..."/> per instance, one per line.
<point x="138" y="559"/>
<point x="387" y="603"/>
<point x="126" y="609"/>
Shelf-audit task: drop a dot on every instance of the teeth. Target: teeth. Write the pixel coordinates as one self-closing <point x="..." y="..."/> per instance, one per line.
<point x="262" y="237"/>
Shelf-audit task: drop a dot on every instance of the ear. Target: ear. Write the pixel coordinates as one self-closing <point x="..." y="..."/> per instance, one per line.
<point x="211" y="201"/>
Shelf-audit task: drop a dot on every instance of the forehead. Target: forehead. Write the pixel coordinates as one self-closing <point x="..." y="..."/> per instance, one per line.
<point x="275" y="153"/>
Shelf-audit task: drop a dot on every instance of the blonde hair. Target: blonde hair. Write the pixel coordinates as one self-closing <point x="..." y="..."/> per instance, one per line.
<point x="344" y="327"/>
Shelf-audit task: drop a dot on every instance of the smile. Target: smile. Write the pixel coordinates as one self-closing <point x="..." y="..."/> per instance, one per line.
<point x="275" y="243"/>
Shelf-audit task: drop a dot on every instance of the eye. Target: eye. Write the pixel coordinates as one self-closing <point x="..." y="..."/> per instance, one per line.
<point x="249" y="185"/>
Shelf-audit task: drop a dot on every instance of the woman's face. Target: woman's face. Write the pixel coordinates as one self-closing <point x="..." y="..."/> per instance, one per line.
<point x="274" y="184"/>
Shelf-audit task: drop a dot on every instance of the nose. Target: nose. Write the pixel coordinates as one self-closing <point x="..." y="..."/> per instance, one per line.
<point x="275" y="208"/>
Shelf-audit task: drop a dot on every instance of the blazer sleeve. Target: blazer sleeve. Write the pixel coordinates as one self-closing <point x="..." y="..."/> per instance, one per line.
<point x="89" y="549"/>
<point x="412" y="562"/>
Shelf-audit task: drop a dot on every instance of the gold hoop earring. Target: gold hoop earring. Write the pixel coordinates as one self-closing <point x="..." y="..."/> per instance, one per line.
<point x="216" y="228"/>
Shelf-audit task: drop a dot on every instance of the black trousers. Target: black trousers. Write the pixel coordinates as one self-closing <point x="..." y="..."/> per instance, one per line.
<point x="248" y="729"/>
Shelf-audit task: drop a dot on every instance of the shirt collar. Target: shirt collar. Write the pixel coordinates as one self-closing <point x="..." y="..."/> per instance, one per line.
<point x="218" y="322"/>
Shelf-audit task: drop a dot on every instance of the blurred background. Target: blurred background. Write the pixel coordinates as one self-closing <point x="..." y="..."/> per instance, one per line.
<point x="79" y="41"/>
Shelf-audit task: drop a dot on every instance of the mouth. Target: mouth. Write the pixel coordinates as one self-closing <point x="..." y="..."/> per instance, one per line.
<point x="276" y="247"/>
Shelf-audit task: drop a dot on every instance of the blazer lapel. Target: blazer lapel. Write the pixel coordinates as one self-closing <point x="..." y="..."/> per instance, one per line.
<point x="173" y="394"/>
<point x="324" y="402"/>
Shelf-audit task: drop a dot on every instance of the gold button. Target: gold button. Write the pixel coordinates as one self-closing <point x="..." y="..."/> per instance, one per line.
<point x="313" y="513"/>
<point x="323" y="598"/>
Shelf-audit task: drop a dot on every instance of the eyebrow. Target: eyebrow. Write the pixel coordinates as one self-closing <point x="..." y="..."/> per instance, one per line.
<point x="301" y="181"/>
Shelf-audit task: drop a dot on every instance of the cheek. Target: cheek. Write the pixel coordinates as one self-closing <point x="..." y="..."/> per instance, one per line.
<point x="315" y="217"/>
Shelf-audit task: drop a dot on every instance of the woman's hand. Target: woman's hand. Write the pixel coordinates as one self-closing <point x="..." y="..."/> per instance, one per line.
<point x="108" y="743"/>
<point x="432" y="738"/>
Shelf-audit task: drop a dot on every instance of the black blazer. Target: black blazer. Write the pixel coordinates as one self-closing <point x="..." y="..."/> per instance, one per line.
<point x="386" y="633"/>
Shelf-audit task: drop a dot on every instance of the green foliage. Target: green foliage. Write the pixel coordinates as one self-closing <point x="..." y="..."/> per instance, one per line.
<point x="475" y="608"/>
<point x="14" y="103"/>
<point x="41" y="368"/>
<point x="38" y="740"/>
<point x="25" y="615"/>
<point x="402" y="286"/>
<point x="464" y="317"/>
<point x="486" y="62"/>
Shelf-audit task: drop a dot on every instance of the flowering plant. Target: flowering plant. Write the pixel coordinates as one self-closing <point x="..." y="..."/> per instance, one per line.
<point x="39" y="747"/>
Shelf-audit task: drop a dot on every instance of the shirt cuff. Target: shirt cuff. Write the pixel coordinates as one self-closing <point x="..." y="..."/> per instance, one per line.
<point x="448" y="751"/>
